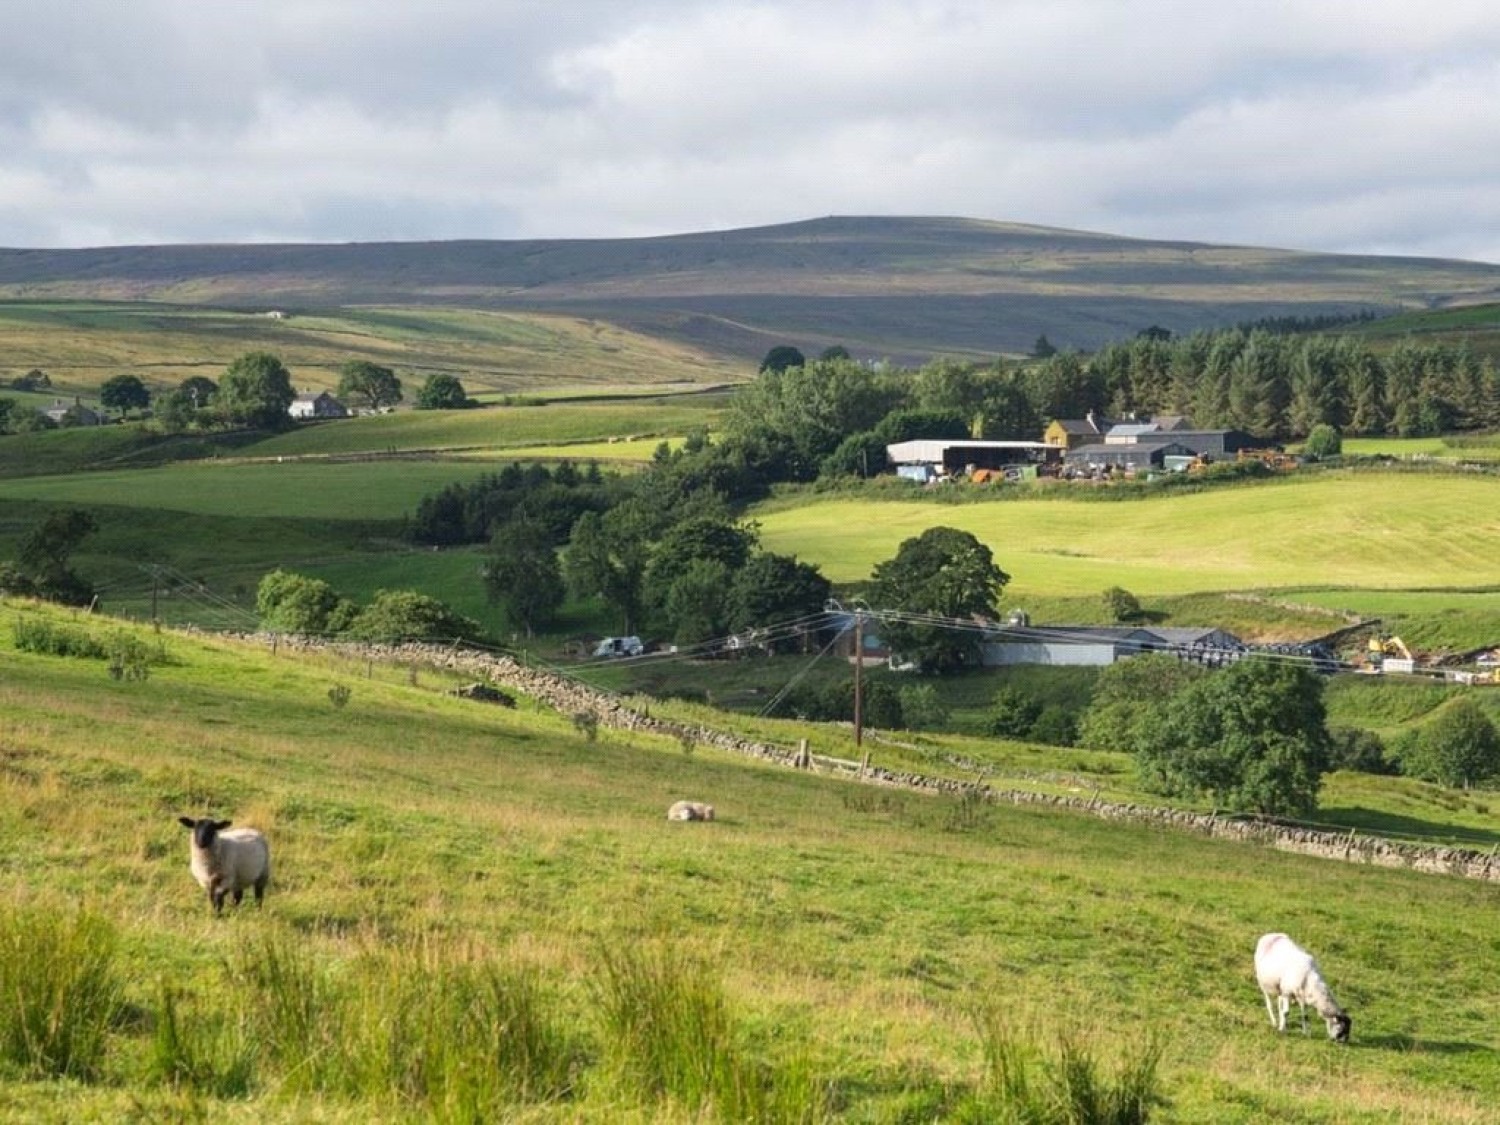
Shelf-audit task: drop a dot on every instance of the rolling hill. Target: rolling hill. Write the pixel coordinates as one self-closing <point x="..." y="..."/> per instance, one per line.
<point x="897" y="288"/>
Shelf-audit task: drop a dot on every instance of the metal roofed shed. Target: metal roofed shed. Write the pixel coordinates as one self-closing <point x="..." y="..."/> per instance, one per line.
<point x="948" y="456"/>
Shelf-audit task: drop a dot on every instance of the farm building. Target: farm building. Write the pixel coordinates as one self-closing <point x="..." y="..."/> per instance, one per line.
<point x="322" y="405"/>
<point x="1102" y="645"/>
<point x="1132" y="457"/>
<point x="73" y="414"/>
<point x="1070" y="433"/>
<point x="942" y="457"/>
<point x="1215" y="444"/>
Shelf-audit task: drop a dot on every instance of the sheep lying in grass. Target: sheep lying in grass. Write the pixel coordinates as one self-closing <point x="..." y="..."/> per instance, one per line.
<point x="225" y="863"/>
<point x="690" y="810"/>
<point x="1285" y="971"/>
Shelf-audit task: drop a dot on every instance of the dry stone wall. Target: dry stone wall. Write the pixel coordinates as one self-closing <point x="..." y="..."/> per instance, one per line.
<point x="570" y="697"/>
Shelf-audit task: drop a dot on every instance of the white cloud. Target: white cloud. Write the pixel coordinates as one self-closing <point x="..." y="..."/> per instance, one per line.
<point x="1323" y="124"/>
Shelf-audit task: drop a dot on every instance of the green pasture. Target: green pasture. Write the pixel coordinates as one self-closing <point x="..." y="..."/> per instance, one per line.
<point x="857" y="934"/>
<point x="1452" y="447"/>
<point x="603" y="424"/>
<point x="1377" y="531"/>
<point x="80" y="344"/>
<point x="292" y="489"/>
<point x="1449" y="620"/>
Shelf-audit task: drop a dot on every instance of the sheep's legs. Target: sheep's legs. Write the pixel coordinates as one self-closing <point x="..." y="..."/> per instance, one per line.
<point x="1270" y="1007"/>
<point x="1285" y="1006"/>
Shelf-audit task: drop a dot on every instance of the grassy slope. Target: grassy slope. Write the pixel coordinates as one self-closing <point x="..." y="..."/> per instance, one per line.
<point x="1368" y="530"/>
<point x="871" y="922"/>
<point x="81" y="344"/>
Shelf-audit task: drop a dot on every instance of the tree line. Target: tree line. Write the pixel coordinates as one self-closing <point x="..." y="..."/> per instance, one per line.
<point x="255" y="390"/>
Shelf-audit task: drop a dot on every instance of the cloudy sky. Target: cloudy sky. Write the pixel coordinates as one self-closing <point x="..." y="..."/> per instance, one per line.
<point x="1355" y="125"/>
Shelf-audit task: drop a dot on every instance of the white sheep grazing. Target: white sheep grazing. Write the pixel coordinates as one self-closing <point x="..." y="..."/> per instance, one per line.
<point x="225" y="863"/>
<point x="690" y="810"/>
<point x="1285" y="971"/>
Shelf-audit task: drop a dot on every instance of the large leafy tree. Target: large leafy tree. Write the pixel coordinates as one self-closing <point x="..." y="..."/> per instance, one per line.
<point x="1252" y="737"/>
<point x="369" y="383"/>
<point x="942" y="573"/>
<point x="606" y="558"/>
<point x="781" y="357"/>
<point x="680" y="546"/>
<point x="256" y="390"/>
<point x="793" y="418"/>
<point x="697" y="602"/>
<point x="296" y="603"/>
<point x="771" y="589"/>
<point x="124" y="393"/>
<point x="1126" y="697"/>
<point x="400" y="615"/>
<point x="41" y="568"/>
<point x="443" y="392"/>
<point x="1458" y="747"/>
<point x="522" y="574"/>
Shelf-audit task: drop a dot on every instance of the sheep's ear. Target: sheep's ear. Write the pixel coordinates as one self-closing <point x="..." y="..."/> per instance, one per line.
<point x="187" y="822"/>
<point x="222" y="824"/>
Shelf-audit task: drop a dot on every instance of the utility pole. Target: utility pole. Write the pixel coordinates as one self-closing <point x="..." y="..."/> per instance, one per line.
<point x="859" y="678"/>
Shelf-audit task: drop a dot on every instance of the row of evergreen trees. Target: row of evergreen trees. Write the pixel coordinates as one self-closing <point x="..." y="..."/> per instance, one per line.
<point x="1277" y="386"/>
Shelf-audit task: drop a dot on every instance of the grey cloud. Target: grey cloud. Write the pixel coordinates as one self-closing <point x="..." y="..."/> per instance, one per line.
<point x="1327" y="124"/>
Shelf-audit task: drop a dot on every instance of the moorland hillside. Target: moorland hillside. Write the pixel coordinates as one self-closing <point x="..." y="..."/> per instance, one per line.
<point x="899" y="288"/>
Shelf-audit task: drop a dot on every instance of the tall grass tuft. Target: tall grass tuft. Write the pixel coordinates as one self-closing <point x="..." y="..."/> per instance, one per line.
<point x="212" y="1055"/>
<point x="669" y="1035"/>
<point x="60" y="990"/>
<point x="455" y="1039"/>
<point x="1026" y="1083"/>
<point x="295" y="1010"/>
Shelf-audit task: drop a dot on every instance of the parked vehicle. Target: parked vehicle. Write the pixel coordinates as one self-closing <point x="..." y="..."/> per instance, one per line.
<point x="620" y="646"/>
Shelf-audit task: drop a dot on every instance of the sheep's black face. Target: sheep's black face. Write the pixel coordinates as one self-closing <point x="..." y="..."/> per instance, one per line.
<point x="1338" y="1028"/>
<point x="204" y="829"/>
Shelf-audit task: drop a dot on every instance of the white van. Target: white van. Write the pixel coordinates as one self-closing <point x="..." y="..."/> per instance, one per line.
<point x="620" y="646"/>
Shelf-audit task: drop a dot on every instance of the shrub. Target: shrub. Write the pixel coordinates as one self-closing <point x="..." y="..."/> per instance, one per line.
<point x="1351" y="748"/>
<point x="586" y="723"/>
<point x="1012" y="714"/>
<point x="1055" y="725"/>
<point x="1121" y="604"/>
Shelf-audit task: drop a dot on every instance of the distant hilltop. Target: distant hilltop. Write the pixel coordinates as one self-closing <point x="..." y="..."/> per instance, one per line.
<point x="902" y="288"/>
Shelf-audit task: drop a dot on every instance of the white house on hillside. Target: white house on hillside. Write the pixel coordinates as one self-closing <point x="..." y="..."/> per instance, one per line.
<point x="321" y="405"/>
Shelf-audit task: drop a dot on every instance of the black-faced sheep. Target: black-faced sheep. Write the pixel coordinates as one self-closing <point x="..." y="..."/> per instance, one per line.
<point x="1285" y="972"/>
<point x="690" y="810"/>
<point x="225" y="863"/>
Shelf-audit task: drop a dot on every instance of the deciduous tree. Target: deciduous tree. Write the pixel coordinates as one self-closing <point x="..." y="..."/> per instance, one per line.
<point x="370" y="384"/>
<point x="942" y="573"/>
<point x="442" y="392"/>
<point x="256" y="390"/>
<point x="1252" y="737"/>
<point x="522" y="574"/>
<point x="1457" y="747"/>
<point x="124" y="393"/>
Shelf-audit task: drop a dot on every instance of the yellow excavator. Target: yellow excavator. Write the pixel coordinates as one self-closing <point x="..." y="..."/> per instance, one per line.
<point x="1389" y="653"/>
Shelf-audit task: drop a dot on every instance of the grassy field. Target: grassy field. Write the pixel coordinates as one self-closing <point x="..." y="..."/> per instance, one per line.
<point x="80" y="344"/>
<point x="498" y="428"/>
<point x="1377" y="531"/>
<point x="1453" y="447"/>
<point x="862" y="939"/>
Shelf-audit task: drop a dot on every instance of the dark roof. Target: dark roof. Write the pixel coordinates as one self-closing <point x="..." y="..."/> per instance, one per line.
<point x="1135" y="636"/>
